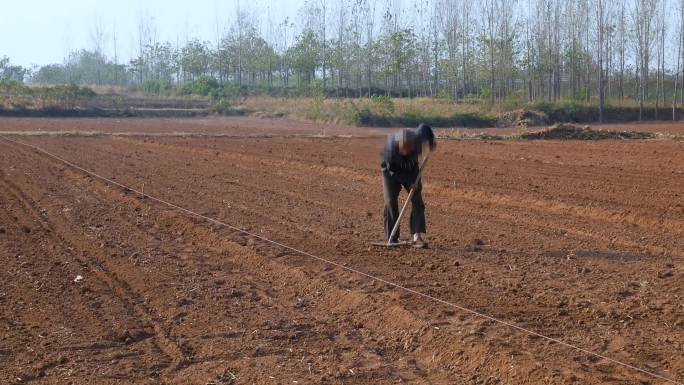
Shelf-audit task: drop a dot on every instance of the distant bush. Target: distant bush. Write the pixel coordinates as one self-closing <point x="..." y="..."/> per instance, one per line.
<point x="383" y="102"/>
<point x="11" y="87"/>
<point x="209" y="87"/>
<point x="155" y="87"/>
<point x="16" y="96"/>
<point x="71" y="91"/>
<point x="202" y="86"/>
<point x="412" y="118"/>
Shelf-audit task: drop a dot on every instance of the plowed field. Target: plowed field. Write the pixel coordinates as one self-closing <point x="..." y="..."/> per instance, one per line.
<point x="582" y="242"/>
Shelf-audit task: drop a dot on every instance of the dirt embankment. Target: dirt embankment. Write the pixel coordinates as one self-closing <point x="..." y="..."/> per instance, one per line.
<point x="572" y="132"/>
<point x="562" y="131"/>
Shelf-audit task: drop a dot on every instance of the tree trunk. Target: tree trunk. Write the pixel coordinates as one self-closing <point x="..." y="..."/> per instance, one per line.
<point x="676" y="80"/>
<point x="600" y="23"/>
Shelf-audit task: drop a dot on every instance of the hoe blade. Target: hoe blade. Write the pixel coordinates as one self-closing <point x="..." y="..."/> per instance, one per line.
<point x="394" y="244"/>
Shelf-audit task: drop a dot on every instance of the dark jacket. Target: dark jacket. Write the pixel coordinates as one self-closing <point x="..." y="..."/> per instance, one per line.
<point x="405" y="168"/>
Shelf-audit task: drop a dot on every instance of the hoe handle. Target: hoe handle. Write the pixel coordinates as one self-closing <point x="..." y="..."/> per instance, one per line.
<point x="408" y="199"/>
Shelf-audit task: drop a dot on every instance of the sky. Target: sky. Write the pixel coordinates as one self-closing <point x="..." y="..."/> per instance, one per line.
<point x="38" y="32"/>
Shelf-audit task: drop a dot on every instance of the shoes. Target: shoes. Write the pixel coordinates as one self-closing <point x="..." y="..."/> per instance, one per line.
<point x="419" y="243"/>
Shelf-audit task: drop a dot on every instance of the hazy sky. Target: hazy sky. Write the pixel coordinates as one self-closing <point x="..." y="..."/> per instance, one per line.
<point x="43" y="31"/>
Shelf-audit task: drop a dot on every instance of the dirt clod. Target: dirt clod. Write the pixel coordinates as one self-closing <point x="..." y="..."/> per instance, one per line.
<point x="665" y="274"/>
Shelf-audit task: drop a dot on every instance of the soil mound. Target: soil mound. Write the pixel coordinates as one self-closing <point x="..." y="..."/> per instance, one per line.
<point x="522" y="118"/>
<point x="564" y="131"/>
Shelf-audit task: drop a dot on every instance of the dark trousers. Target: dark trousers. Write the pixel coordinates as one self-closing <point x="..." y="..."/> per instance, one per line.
<point x="391" y="189"/>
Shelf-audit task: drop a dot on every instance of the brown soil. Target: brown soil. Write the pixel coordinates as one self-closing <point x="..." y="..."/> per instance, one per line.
<point x="581" y="241"/>
<point x="242" y="126"/>
<point x="657" y="127"/>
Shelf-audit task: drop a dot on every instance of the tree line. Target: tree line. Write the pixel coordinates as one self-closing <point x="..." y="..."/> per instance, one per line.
<point x="11" y="72"/>
<point x="498" y="51"/>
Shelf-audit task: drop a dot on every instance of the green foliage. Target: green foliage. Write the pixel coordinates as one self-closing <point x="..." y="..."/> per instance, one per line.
<point x="398" y="50"/>
<point x="316" y="110"/>
<point x="303" y="56"/>
<point x="13" y="87"/>
<point x="209" y="87"/>
<point x="335" y="111"/>
<point x="195" y="59"/>
<point x="12" y="72"/>
<point x="223" y="107"/>
<point x="156" y="87"/>
<point x="513" y="101"/>
<point x="383" y="102"/>
<point x="67" y="91"/>
<point x="485" y="94"/>
<point x="51" y="74"/>
<point x="445" y="94"/>
<point x="83" y="67"/>
<point x="203" y="86"/>
<point x="412" y="117"/>
<point x="16" y="96"/>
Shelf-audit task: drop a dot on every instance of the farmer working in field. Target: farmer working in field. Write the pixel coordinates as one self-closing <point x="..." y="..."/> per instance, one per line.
<point x="400" y="168"/>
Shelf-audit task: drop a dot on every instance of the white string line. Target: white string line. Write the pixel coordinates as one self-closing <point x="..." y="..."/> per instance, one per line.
<point x="350" y="269"/>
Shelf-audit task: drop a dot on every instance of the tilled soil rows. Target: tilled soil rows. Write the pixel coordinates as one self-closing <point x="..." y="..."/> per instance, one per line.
<point x="579" y="241"/>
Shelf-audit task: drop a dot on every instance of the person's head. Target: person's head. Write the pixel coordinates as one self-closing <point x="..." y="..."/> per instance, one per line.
<point x="425" y="136"/>
<point x="407" y="142"/>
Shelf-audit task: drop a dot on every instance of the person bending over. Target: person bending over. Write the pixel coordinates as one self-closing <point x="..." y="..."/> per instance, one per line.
<point x="400" y="167"/>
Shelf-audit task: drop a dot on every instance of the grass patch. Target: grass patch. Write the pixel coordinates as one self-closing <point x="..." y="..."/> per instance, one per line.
<point x="373" y="112"/>
<point x="576" y="112"/>
<point x="17" y="99"/>
<point x="206" y="96"/>
<point x="390" y="112"/>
